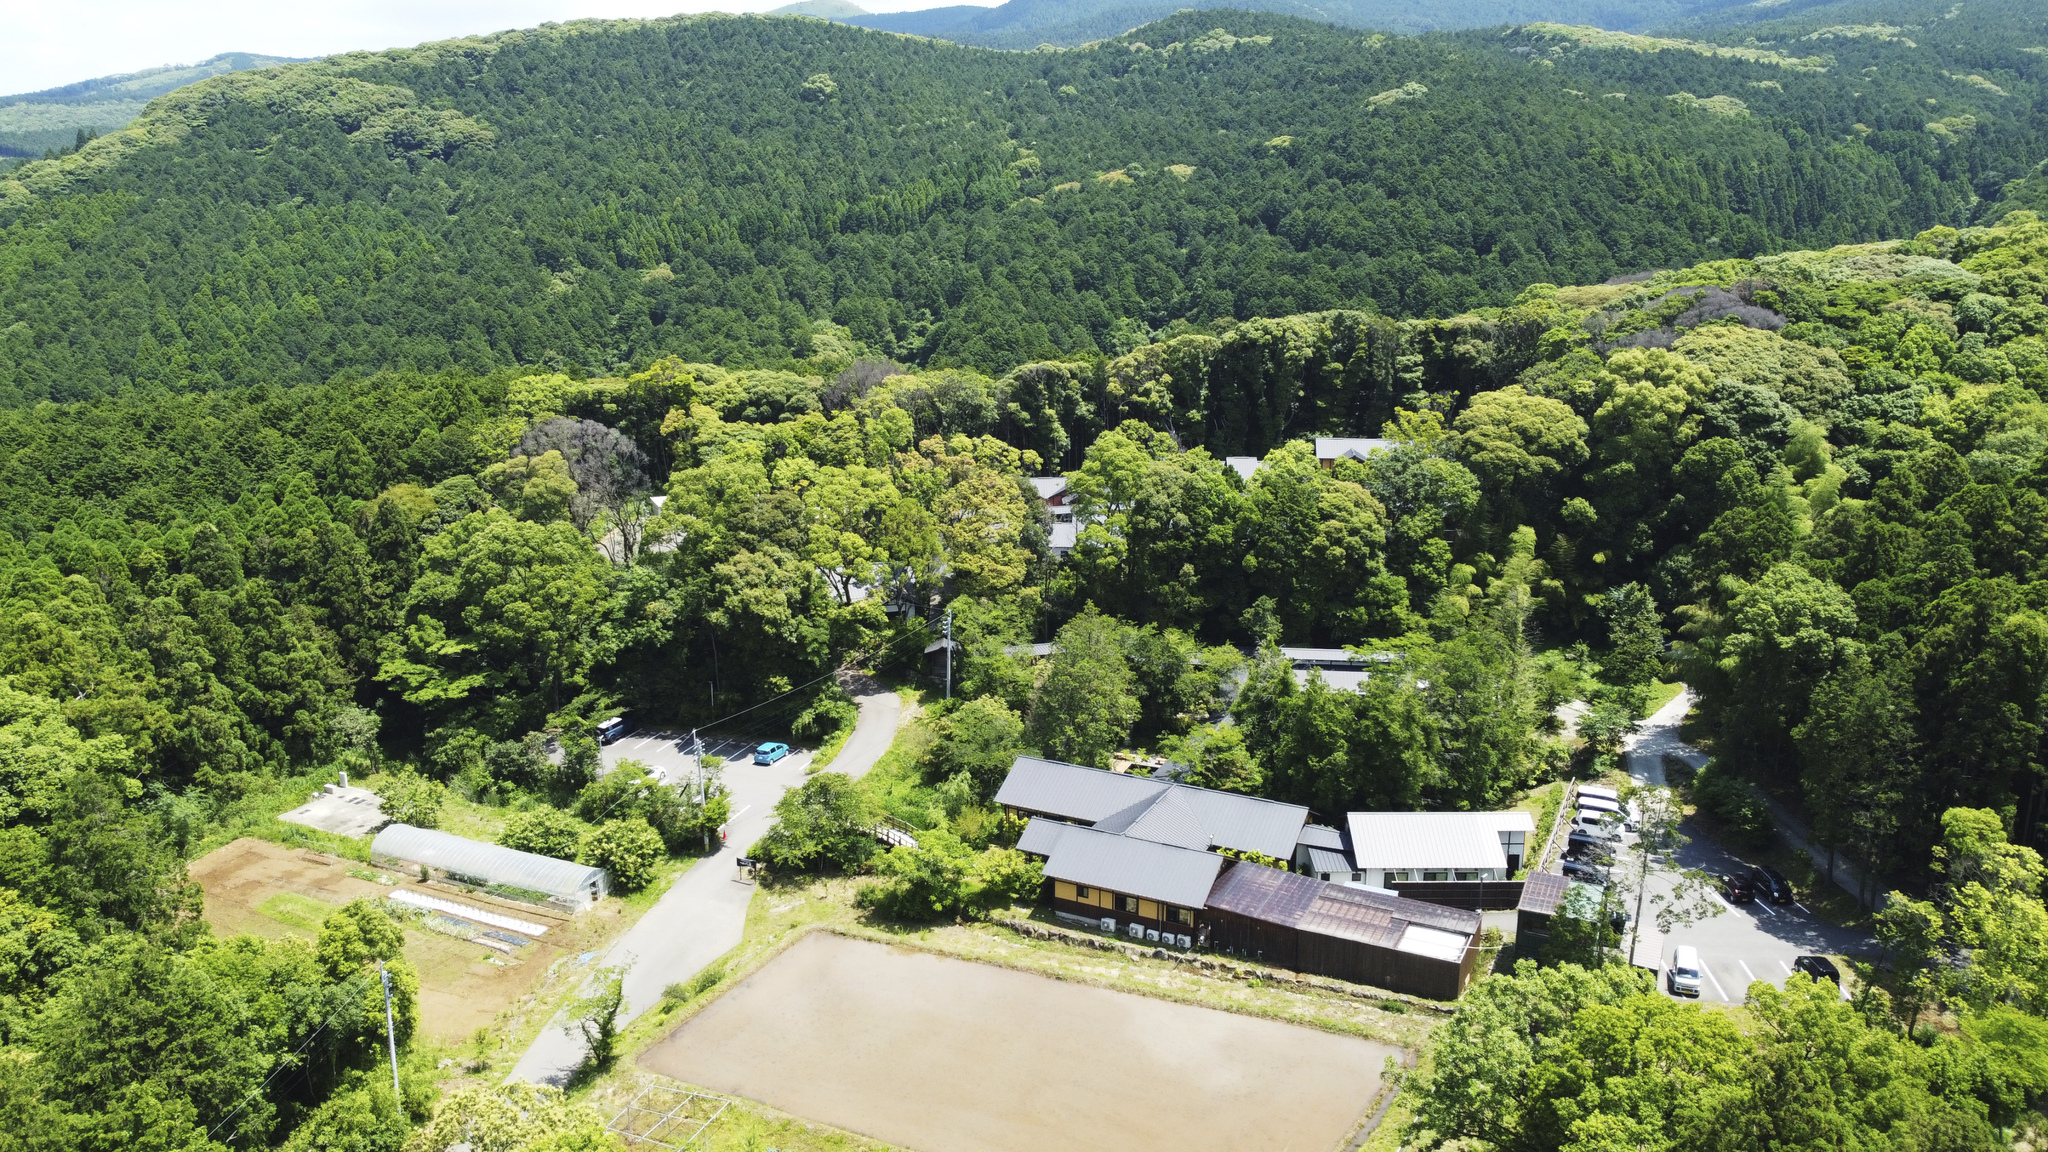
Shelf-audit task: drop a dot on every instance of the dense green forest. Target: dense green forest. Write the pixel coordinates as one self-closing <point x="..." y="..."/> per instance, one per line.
<point x="342" y="397"/>
<point x="594" y="196"/>
<point x="1819" y="472"/>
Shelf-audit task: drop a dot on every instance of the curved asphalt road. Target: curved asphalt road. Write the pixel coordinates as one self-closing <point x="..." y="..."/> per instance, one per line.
<point x="703" y="914"/>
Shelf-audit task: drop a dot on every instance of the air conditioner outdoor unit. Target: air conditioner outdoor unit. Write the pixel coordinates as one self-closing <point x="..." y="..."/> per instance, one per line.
<point x="1137" y="930"/>
<point x="1151" y="936"/>
<point x="1184" y="941"/>
<point x="1109" y="923"/>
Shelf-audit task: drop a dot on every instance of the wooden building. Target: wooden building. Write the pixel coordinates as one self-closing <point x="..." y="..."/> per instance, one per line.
<point x="1310" y="925"/>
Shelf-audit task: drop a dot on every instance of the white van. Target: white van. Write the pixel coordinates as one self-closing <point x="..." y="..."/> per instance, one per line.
<point x="1683" y="977"/>
<point x="1598" y="804"/>
<point x="1595" y="824"/>
<point x="1599" y="790"/>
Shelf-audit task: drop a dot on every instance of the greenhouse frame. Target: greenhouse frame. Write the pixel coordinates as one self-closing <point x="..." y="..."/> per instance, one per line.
<point x="499" y="870"/>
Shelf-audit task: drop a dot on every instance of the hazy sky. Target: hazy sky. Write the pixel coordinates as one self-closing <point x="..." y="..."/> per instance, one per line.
<point x="46" y="43"/>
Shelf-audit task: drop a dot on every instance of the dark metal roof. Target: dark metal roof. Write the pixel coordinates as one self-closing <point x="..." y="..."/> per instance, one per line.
<point x="1149" y="808"/>
<point x="1134" y="867"/>
<point x="1542" y="892"/>
<point x="1310" y="905"/>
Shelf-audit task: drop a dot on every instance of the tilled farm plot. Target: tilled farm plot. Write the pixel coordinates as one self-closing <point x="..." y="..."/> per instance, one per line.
<point x="946" y="1055"/>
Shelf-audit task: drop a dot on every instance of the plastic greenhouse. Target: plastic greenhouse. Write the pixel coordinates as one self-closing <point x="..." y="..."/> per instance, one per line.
<point x="502" y="871"/>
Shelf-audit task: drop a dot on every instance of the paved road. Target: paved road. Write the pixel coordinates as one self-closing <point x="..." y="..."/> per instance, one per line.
<point x="1746" y="942"/>
<point x="703" y="914"/>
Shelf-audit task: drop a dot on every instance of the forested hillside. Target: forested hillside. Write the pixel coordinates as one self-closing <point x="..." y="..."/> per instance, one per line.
<point x="35" y="123"/>
<point x="593" y="196"/>
<point x="1819" y="473"/>
<point x="1025" y="24"/>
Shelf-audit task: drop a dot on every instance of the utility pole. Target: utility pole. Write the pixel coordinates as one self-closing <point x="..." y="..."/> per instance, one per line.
<point x="703" y="791"/>
<point x="390" y="1034"/>
<point x="949" y="653"/>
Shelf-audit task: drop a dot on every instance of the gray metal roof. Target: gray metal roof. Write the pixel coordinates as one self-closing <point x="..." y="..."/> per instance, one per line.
<point x="1320" y="836"/>
<point x="1072" y="791"/>
<point x="1162" y="819"/>
<point x="1324" y="860"/>
<point x="1336" y="680"/>
<point x="1357" y="447"/>
<point x="1041" y="836"/>
<point x="1244" y="466"/>
<point x="1064" y="533"/>
<point x="1436" y="840"/>
<point x="1135" y="867"/>
<point x="490" y="863"/>
<point x="1048" y="487"/>
<point x="1190" y="818"/>
<point x="1323" y="657"/>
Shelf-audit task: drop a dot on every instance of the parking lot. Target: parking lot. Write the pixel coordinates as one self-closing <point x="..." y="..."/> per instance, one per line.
<point x="1745" y="942"/>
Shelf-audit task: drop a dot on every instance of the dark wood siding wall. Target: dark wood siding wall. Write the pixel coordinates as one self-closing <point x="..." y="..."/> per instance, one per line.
<point x="1471" y="895"/>
<point x="1352" y="960"/>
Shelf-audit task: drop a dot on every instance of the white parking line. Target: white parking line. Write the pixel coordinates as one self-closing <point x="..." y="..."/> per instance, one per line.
<point x="1717" y="984"/>
<point x="1767" y="909"/>
<point x="1786" y="967"/>
<point x="1802" y="907"/>
<point x="1747" y="972"/>
<point x="738" y="814"/>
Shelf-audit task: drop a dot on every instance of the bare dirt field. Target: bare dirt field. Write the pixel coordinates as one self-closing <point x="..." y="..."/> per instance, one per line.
<point x="945" y="1055"/>
<point x="264" y="889"/>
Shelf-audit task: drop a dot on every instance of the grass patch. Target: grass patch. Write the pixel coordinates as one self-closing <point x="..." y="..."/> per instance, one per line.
<point x="255" y="814"/>
<point x="296" y="911"/>
<point x="1661" y="694"/>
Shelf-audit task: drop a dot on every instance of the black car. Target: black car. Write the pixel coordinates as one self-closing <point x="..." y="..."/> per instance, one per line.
<point x="1818" y="967"/>
<point x="1583" y="872"/>
<point x="1738" y="887"/>
<point x="1588" y="847"/>
<point x="1771" y="884"/>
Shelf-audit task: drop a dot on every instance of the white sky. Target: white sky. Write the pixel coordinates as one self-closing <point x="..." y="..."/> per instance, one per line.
<point x="45" y="43"/>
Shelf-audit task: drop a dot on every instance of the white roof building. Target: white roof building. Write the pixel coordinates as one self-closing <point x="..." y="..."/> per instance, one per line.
<point x="492" y="867"/>
<point x="1330" y="449"/>
<point x="1244" y="466"/>
<point x="1403" y="847"/>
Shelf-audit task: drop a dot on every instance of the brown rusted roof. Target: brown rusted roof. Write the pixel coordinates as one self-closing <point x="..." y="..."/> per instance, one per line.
<point x="1310" y="905"/>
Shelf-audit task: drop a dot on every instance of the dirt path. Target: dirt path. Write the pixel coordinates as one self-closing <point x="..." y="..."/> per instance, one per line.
<point x="704" y="914"/>
<point x="946" y="1055"/>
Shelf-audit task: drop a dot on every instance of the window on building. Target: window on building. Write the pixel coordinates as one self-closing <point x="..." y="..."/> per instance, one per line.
<point x="1397" y="877"/>
<point x="1436" y="875"/>
<point x="1182" y="916"/>
<point x="1357" y="877"/>
<point x="1467" y="875"/>
<point x="1083" y="892"/>
<point x="1130" y="904"/>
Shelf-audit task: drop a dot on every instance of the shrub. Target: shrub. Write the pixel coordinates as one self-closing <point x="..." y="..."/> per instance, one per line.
<point x="1010" y="876"/>
<point x="682" y="992"/>
<point x="545" y="832"/>
<point x="1734" y="805"/>
<point x="827" y="823"/>
<point x="627" y="849"/>
<point x="831" y="710"/>
<point x="923" y="882"/>
<point x="410" y="798"/>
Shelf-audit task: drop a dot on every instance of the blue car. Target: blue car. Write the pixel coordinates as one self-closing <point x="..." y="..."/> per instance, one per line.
<point x="769" y="753"/>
